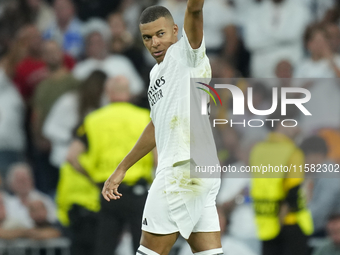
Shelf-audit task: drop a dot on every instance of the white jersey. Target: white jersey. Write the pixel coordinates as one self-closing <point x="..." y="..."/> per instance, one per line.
<point x="169" y="98"/>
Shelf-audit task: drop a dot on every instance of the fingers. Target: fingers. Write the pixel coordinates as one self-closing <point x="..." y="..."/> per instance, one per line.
<point x="110" y="194"/>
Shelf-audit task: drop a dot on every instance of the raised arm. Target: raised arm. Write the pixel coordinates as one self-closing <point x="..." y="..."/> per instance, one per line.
<point x="193" y="22"/>
<point x="144" y="145"/>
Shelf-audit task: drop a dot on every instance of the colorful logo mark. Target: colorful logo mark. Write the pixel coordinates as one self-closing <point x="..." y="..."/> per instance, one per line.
<point x="209" y="92"/>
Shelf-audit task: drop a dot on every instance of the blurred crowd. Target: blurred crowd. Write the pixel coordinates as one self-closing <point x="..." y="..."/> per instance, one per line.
<point x="57" y="56"/>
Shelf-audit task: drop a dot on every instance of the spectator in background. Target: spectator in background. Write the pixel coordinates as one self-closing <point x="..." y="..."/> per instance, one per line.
<point x="284" y="73"/>
<point x="123" y="43"/>
<point x="324" y="191"/>
<point x="10" y="227"/>
<point x="43" y="229"/>
<point x="274" y="31"/>
<point x="97" y="158"/>
<point x="284" y="70"/>
<point x="98" y="58"/>
<point x="332" y="246"/>
<point x="66" y="29"/>
<point x="324" y="62"/>
<point x="60" y="81"/>
<point x="325" y="93"/>
<point x="78" y="205"/>
<point x="69" y="112"/>
<point x="20" y="183"/>
<point x="32" y="70"/>
<point x="15" y="14"/>
<point x="282" y="218"/>
<point x="12" y="114"/>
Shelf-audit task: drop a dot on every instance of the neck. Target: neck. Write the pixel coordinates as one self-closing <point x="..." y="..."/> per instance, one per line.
<point x="101" y="56"/>
<point x="316" y="57"/>
<point x="24" y="198"/>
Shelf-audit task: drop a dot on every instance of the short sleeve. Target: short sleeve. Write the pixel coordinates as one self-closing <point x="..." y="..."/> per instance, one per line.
<point x="80" y="134"/>
<point x="193" y="57"/>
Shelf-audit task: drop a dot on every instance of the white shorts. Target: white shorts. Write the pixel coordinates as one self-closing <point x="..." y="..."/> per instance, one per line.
<point x="177" y="203"/>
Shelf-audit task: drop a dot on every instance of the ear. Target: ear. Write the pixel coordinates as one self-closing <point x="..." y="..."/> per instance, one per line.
<point x="175" y="30"/>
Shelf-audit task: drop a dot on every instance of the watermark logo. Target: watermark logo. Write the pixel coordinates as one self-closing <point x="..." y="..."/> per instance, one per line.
<point x="239" y="100"/>
<point x="280" y="99"/>
<point x="208" y="92"/>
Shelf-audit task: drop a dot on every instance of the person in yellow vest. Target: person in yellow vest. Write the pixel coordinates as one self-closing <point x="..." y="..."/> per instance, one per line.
<point x="283" y="220"/>
<point x="104" y="139"/>
<point x="78" y="203"/>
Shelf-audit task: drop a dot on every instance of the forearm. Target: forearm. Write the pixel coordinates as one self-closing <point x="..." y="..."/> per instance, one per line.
<point x="195" y="6"/>
<point x="144" y="145"/>
<point x="13" y="233"/>
<point x="75" y="150"/>
<point x="44" y="233"/>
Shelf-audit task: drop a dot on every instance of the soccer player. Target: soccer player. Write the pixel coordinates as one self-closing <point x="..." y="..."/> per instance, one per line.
<point x="176" y="204"/>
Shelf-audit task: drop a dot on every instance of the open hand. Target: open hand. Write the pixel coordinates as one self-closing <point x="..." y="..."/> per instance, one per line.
<point x="110" y="189"/>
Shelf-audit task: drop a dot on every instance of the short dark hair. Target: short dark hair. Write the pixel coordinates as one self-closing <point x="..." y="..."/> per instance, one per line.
<point x="153" y="13"/>
<point x="311" y="30"/>
<point x="314" y="144"/>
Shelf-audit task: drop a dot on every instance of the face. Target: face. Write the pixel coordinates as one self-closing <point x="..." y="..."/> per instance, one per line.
<point x="64" y="10"/>
<point x="284" y="70"/>
<point x="117" y="24"/>
<point x="52" y="54"/>
<point x="95" y="46"/>
<point x="333" y="228"/>
<point x="22" y="183"/>
<point x="317" y="43"/>
<point x="158" y="36"/>
<point x="33" y="39"/>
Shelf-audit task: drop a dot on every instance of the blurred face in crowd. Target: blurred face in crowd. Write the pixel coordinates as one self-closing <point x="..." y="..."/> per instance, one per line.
<point x="31" y="38"/>
<point x="158" y="36"/>
<point x="117" y="89"/>
<point x="284" y="69"/>
<point x="52" y="55"/>
<point x="34" y="4"/>
<point x="333" y="33"/>
<point x="96" y="46"/>
<point x="64" y="11"/>
<point x="38" y="211"/>
<point x="317" y="44"/>
<point x="117" y="24"/>
<point x="333" y="228"/>
<point x="22" y="181"/>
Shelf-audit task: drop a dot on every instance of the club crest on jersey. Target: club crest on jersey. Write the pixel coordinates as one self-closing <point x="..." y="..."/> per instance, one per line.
<point x="155" y="92"/>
